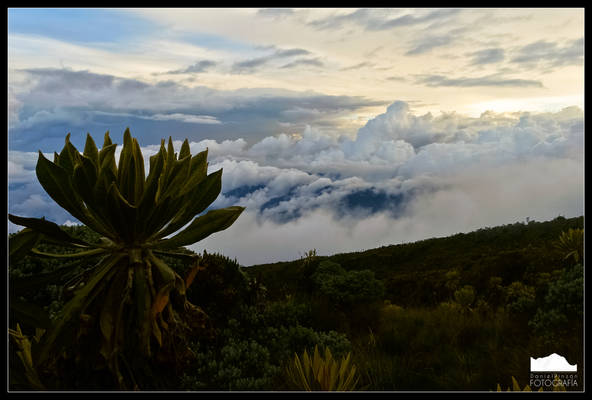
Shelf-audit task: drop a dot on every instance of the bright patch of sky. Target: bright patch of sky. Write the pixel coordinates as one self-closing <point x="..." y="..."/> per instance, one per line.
<point x="92" y="26"/>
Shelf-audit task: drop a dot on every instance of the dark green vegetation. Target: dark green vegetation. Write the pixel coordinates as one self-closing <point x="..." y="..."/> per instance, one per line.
<point x="465" y="312"/>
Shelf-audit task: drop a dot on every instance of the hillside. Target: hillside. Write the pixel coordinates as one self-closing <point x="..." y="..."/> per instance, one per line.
<point x="414" y="272"/>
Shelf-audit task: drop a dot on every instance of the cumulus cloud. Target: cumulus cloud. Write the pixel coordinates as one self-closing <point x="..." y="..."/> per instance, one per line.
<point x="469" y="201"/>
<point x="404" y="177"/>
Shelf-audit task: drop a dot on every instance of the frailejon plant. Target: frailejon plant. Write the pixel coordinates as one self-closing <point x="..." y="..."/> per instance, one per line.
<point x="322" y="373"/>
<point x="133" y="301"/>
<point x="572" y="243"/>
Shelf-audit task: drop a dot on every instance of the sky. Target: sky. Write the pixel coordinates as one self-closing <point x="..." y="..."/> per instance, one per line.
<point x="338" y="129"/>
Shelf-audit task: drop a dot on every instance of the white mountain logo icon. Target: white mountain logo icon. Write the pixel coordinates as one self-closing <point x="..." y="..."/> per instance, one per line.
<point x="552" y="363"/>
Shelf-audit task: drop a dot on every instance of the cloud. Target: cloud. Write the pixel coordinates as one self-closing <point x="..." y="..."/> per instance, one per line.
<point x="397" y="78"/>
<point x="410" y="19"/>
<point x="382" y="19"/>
<point x="61" y="101"/>
<point x="428" y="43"/>
<point x="275" y="12"/>
<point x="198" y="67"/>
<point x="550" y="54"/>
<point x="404" y="177"/>
<point x="488" y="80"/>
<point x="358" y="66"/>
<point x="193" y="119"/>
<point x="315" y="62"/>
<point x="471" y="201"/>
<point x="250" y="65"/>
<point x="487" y="56"/>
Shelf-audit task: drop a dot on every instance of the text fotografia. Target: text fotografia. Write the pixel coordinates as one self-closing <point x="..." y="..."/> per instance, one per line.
<point x="548" y="380"/>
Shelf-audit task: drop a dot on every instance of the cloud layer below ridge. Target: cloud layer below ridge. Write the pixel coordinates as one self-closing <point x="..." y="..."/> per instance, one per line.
<point x="402" y="178"/>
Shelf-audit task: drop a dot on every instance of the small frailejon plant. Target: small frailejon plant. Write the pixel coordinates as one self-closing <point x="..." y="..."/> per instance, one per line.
<point x="572" y="244"/>
<point x="131" y="305"/>
<point x="320" y="373"/>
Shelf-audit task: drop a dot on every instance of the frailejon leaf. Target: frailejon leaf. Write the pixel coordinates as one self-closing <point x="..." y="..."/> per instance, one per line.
<point x="111" y="305"/>
<point x="88" y="253"/>
<point x="107" y="140"/>
<point x="127" y="212"/>
<point x="68" y="156"/>
<point x="139" y="169"/>
<point x="157" y="216"/>
<point x="143" y="307"/>
<point x="91" y="151"/>
<point x="82" y="297"/>
<point x="126" y="175"/>
<point x="202" y="227"/>
<point x="175" y="179"/>
<point x="146" y="206"/>
<point x="86" y="183"/>
<point x="47" y="228"/>
<point x="57" y="183"/>
<point x="195" y="202"/>
<point x="107" y="160"/>
<point x="30" y="284"/>
<point x="192" y="273"/>
<point x="85" y="179"/>
<point x="198" y="169"/>
<point x="165" y="273"/>
<point x="170" y="157"/>
<point x="161" y="299"/>
<point x="156" y="332"/>
<point x="185" y="150"/>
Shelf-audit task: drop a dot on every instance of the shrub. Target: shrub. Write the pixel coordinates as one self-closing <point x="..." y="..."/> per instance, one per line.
<point x="563" y="305"/>
<point x="465" y="297"/>
<point x="347" y="288"/>
<point x="520" y="298"/>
